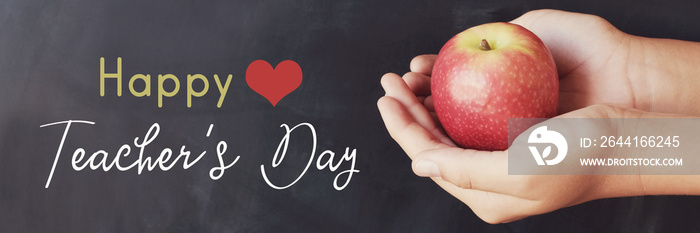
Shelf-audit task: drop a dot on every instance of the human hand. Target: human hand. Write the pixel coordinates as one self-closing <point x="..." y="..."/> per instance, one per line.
<point x="597" y="63"/>
<point x="593" y="59"/>
<point x="479" y="178"/>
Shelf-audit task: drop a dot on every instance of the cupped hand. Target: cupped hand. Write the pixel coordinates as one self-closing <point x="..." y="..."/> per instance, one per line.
<point x="591" y="57"/>
<point x="594" y="59"/>
<point x="478" y="178"/>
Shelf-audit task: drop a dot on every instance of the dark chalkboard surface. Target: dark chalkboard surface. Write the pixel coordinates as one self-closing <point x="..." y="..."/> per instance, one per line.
<point x="50" y="53"/>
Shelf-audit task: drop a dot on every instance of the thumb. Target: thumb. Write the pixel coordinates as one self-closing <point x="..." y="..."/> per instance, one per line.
<point x="603" y="111"/>
<point x="464" y="168"/>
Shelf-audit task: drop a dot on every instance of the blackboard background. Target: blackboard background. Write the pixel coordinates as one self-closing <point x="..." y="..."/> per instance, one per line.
<point x="49" y="71"/>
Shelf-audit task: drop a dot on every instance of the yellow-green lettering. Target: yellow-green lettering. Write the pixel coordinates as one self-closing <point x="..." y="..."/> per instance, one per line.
<point x="146" y="90"/>
<point x="223" y="89"/>
<point x="161" y="90"/>
<point x="104" y="76"/>
<point x="190" y="90"/>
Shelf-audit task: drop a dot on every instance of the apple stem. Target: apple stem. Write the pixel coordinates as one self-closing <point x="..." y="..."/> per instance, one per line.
<point x="484" y="45"/>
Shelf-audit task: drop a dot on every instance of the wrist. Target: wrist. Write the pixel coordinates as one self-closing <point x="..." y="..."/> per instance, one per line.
<point x="662" y="74"/>
<point x="618" y="186"/>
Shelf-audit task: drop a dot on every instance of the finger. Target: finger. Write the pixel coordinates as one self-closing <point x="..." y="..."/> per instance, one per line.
<point x="568" y="36"/>
<point x="561" y="45"/>
<point x="435" y="118"/>
<point x="469" y="169"/>
<point x="428" y="103"/>
<point x="404" y="129"/>
<point x="420" y="99"/>
<point x="491" y="207"/>
<point x="395" y="87"/>
<point x="423" y="64"/>
<point x="418" y="83"/>
<point x="570" y="101"/>
<point x="530" y="18"/>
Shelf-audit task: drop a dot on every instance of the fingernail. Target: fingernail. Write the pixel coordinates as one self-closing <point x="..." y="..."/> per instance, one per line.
<point x="426" y="168"/>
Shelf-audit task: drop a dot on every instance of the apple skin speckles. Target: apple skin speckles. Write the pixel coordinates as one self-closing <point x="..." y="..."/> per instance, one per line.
<point x="475" y="91"/>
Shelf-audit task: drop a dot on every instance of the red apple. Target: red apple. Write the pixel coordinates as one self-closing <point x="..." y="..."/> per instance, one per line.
<point x="487" y="74"/>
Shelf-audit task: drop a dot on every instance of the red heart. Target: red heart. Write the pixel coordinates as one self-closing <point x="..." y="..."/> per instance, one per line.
<point x="273" y="84"/>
